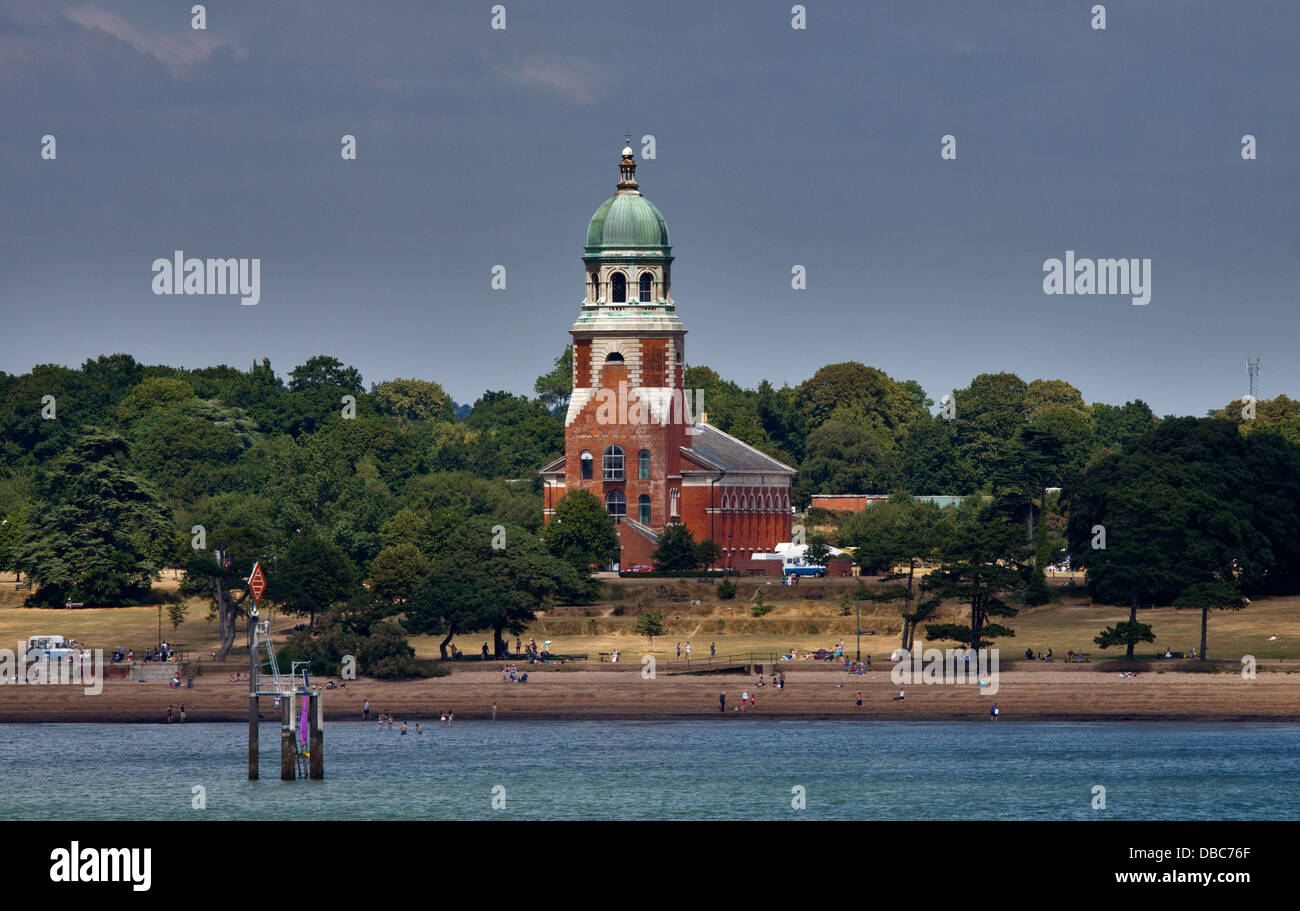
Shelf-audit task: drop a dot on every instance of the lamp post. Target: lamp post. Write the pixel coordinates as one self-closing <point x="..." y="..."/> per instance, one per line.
<point x="857" y="604"/>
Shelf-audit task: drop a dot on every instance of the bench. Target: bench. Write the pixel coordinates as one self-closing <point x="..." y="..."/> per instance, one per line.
<point x="815" y="596"/>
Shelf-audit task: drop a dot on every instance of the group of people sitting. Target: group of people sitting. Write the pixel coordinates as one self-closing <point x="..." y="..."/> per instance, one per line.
<point x="858" y="667"/>
<point x="1029" y="655"/>
<point x="510" y="674"/>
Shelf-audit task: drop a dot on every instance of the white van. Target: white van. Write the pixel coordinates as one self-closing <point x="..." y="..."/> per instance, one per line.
<point x="47" y="647"/>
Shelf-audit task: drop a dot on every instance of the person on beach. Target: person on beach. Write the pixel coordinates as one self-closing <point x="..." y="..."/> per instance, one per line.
<point x="494" y="711"/>
<point x="993" y="712"/>
<point x="713" y="649"/>
<point x="744" y="700"/>
<point x="899" y="696"/>
<point x="182" y="714"/>
<point x="451" y="718"/>
<point x="365" y="710"/>
<point x="688" y="650"/>
<point x="859" y="700"/>
<point x="722" y="702"/>
<point x="679" y="650"/>
<point x="169" y="714"/>
<point x="403" y="727"/>
<point x="782" y="686"/>
<point x="443" y="718"/>
<point x="418" y="728"/>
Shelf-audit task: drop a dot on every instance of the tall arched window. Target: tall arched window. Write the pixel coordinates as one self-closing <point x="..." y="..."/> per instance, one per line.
<point x="587" y="462"/>
<point x="674" y="503"/>
<point x="643" y="509"/>
<point x="646" y="279"/>
<point x="616" y="504"/>
<point x="643" y="465"/>
<point x="618" y="284"/>
<point x="612" y="464"/>
<point x="595" y="286"/>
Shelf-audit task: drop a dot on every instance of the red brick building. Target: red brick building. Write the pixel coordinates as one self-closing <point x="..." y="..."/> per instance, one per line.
<point x="633" y="435"/>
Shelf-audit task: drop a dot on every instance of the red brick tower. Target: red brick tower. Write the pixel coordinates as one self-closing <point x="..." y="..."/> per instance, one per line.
<point x="629" y="435"/>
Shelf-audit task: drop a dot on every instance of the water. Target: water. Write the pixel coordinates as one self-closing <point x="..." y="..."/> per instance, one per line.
<point x="735" y="769"/>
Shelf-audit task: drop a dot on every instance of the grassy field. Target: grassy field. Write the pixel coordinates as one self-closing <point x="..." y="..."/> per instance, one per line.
<point x="793" y="621"/>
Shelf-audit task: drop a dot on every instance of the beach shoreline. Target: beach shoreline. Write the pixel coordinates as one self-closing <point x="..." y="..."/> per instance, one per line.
<point x="608" y="694"/>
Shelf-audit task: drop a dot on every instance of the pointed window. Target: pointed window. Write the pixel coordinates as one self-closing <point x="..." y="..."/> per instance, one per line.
<point x="618" y="282"/>
<point x="646" y="279"/>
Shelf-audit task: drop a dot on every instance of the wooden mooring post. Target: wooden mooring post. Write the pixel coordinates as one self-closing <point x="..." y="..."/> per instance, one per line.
<point x="252" y="696"/>
<point x="288" y="749"/>
<point x="316" y="738"/>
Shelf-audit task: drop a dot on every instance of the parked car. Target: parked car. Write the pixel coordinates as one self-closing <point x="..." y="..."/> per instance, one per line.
<point x="640" y="568"/>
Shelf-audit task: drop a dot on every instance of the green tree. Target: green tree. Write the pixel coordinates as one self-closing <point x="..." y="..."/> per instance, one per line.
<point x="708" y="552"/>
<point x="397" y="572"/>
<point x="413" y="400"/>
<point x="582" y="532"/>
<point x="1126" y="634"/>
<point x="96" y="532"/>
<point x="901" y="530"/>
<point x="844" y="457"/>
<point x="677" y="551"/>
<point x="649" y="625"/>
<point x="980" y="566"/>
<point x="314" y="574"/>
<point x="477" y="586"/>
<point x="554" y="388"/>
<point x="1208" y="596"/>
<point x="818" y="551"/>
<point x="1186" y="509"/>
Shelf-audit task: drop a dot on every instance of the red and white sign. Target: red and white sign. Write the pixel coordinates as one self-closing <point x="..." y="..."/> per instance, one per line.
<point x="257" y="582"/>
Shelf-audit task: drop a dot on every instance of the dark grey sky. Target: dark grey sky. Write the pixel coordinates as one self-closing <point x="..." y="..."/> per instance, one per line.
<point x="775" y="147"/>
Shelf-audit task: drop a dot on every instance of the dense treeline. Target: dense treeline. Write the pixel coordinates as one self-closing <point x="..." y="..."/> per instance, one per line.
<point x="113" y="470"/>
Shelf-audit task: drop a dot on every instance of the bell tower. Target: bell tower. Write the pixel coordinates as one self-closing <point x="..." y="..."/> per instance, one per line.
<point x="627" y="420"/>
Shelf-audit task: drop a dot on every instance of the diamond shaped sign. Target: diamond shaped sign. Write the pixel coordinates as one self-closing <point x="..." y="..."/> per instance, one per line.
<point x="257" y="582"/>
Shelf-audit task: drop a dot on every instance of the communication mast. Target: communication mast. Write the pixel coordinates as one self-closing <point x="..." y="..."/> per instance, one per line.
<point x="1252" y="371"/>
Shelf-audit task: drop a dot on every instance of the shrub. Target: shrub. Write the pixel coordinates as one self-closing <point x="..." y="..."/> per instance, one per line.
<point x="726" y="590"/>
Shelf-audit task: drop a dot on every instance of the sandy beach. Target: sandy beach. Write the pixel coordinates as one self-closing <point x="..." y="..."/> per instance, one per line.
<point x="590" y="691"/>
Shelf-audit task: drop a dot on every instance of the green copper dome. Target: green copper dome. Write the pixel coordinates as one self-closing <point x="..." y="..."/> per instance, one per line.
<point x="627" y="220"/>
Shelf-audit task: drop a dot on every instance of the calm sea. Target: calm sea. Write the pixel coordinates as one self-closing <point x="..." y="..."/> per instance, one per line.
<point x="737" y="769"/>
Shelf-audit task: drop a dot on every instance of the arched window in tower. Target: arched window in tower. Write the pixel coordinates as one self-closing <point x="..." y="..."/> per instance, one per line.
<point x="588" y="461"/>
<point x="643" y="465"/>
<point x="643" y="509"/>
<point x="674" y="503"/>
<point x="616" y="504"/>
<point x="618" y="285"/>
<point x="595" y="286"/>
<point x="612" y="464"/>
<point x="614" y="357"/>
<point x="646" y="279"/>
